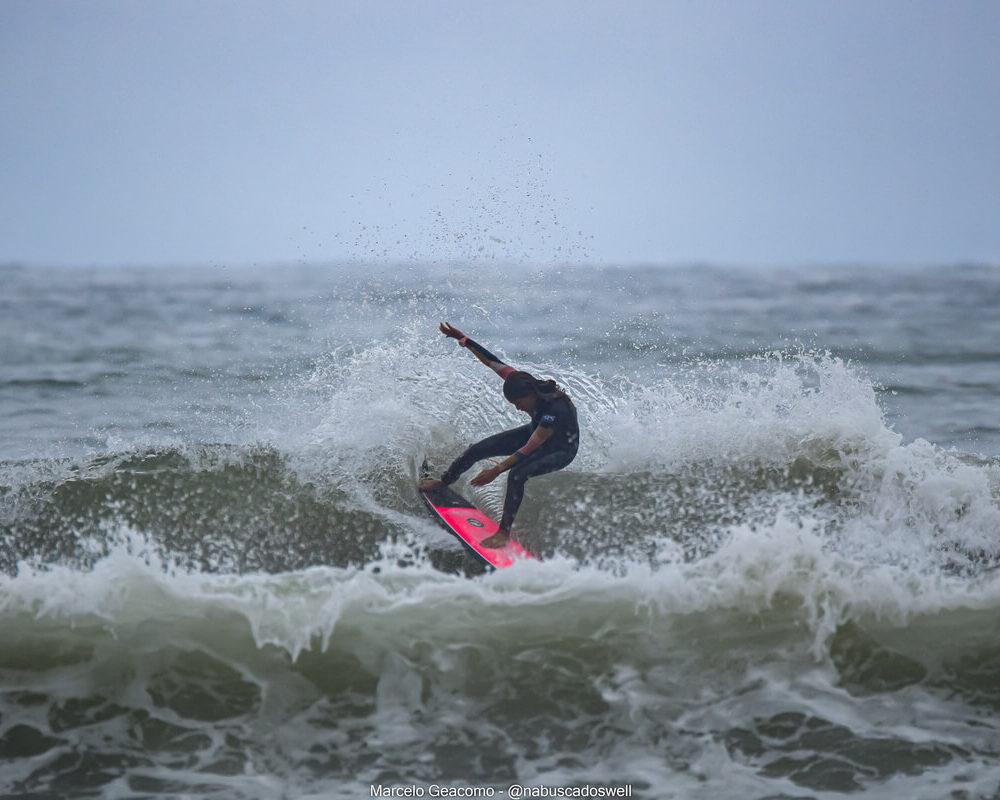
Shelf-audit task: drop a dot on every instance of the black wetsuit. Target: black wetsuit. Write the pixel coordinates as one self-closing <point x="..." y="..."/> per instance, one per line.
<point x="557" y="413"/>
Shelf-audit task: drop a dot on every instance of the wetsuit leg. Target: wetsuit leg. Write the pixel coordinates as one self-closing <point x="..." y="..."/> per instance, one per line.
<point x="518" y="475"/>
<point x="500" y="444"/>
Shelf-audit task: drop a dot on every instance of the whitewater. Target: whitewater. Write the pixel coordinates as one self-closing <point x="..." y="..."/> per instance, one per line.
<point x="771" y="572"/>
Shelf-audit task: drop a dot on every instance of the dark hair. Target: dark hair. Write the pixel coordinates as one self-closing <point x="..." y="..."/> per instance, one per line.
<point x="518" y="384"/>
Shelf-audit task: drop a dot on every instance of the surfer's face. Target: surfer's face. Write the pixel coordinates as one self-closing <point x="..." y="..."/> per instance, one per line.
<point x="525" y="402"/>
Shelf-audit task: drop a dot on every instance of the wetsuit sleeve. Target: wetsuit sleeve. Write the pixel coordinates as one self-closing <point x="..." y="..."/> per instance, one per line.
<point x="536" y="440"/>
<point x="484" y="355"/>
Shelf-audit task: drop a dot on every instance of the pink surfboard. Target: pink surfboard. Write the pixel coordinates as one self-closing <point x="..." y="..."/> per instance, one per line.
<point x="471" y="526"/>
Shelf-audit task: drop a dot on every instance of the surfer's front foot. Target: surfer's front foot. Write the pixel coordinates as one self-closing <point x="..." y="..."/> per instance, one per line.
<point x="429" y="483"/>
<point x="497" y="540"/>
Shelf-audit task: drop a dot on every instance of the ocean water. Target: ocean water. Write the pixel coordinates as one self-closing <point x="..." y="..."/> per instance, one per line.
<point x="770" y="573"/>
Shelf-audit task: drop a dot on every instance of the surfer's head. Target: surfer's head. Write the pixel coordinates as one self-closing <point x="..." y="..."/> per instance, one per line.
<point x="524" y="390"/>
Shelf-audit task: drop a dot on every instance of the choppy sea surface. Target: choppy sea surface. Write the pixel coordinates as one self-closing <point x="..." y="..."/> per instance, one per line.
<point x="770" y="573"/>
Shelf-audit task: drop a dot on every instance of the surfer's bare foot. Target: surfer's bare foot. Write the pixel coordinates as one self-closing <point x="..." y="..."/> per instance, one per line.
<point x="497" y="540"/>
<point x="429" y="483"/>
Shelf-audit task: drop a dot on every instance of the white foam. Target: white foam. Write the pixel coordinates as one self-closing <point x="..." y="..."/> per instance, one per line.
<point x="769" y="409"/>
<point x="784" y="569"/>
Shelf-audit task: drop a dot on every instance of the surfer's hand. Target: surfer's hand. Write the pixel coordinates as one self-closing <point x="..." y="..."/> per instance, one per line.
<point x="488" y="475"/>
<point x="449" y="331"/>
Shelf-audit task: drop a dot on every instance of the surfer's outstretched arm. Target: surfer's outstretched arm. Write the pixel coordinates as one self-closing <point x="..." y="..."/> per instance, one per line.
<point x="480" y="352"/>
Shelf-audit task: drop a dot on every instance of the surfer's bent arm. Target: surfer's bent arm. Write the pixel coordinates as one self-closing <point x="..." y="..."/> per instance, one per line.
<point x="534" y="442"/>
<point x="484" y="355"/>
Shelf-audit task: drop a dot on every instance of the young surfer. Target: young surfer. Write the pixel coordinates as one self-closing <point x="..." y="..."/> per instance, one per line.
<point x="547" y="444"/>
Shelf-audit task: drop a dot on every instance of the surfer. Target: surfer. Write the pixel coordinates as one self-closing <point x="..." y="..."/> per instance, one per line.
<point x="547" y="444"/>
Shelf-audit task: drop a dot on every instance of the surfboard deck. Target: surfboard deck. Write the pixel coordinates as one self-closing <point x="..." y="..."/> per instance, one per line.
<point x="470" y="526"/>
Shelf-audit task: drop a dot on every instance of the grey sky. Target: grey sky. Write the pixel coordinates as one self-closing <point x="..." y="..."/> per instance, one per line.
<point x="757" y="131"/>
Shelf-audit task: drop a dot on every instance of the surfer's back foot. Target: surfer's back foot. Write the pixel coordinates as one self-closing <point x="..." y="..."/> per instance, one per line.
<point x="429" y="483"/>
<point x="497" y="540"/>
